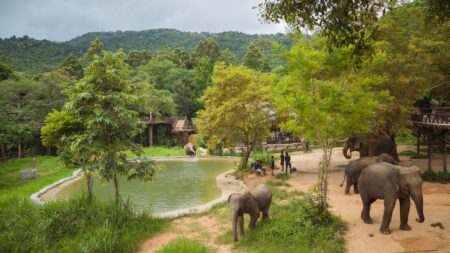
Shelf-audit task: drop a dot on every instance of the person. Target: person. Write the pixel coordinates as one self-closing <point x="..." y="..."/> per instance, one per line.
<point x="272" y="166"/>
<point x="282" y="161"/>
<point x="258" y="168"/>
<point x="287" y="162"/>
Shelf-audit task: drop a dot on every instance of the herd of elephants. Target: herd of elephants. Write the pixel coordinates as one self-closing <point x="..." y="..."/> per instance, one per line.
<point x="376" y="175"/>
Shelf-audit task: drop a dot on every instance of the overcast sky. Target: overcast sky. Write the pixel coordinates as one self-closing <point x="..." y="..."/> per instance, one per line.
<point x="61" y="20"/>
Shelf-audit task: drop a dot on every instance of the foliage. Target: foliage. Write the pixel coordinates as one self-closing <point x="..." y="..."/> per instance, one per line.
<point x="103" y="102"/>
<point x="299" y="221"/>
<point x="237" y="108"/>
<point x="72" y="66"/>
<point x="73" y="226"/>
<point x="343" y="23"/>
<point x="326" y="98"/>
<point x="95" y="49"/>
<point x="5" y="70"/>
<point x="36" y="56"/>
<point x="184" y="245"/>
<point x="207" y="48"/>
<point x="137" y="58"/>
<point x="49" y="168"/>
<point x="438" y="177"/>
<point x="255" y="59"/>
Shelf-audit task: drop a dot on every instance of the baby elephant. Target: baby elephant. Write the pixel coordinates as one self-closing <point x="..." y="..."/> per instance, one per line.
<point x="256" y="199"/>
<point x="354" y="169"/>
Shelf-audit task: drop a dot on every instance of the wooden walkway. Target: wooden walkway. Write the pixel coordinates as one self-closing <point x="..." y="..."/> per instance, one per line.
<point x="433" y="123"/>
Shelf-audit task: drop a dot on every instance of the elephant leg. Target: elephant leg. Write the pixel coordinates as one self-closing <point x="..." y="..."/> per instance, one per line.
<point x="347" y="187"/>
<point x="253" y="219"/>
<point x="266" y="210"/>
<point x="389" y="205"/>
<point x="233" y="225"/>
<point x="355" y="188"/>
<point x="405" y="204"/>
<point x="365" y="213"/>
<point x="240" y="225"/>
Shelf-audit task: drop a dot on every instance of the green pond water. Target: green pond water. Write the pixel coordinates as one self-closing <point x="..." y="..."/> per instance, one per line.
<point x="182" y="184"/>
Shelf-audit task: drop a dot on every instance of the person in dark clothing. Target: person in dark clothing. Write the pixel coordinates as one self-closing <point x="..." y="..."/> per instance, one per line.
<point x="287" y="161"/>
<point x="257" y="167"/>
<point x="272" y="166"/>
<point x="282" y="160"/>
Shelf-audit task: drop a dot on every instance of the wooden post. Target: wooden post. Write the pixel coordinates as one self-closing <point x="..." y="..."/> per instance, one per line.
<point x="430" y="141"/>
<point x="444" y="162"/>
<point x="418" y="141"/>
<point x="150" y="135"/>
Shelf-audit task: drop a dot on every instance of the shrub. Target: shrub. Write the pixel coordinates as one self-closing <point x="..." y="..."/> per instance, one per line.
<point x="184" y="245"/>
<point x="439" y="177"/>
<point x="74" y="225"/>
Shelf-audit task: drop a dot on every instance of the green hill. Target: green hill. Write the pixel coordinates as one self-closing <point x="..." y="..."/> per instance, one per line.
<point x="34" y="56"/>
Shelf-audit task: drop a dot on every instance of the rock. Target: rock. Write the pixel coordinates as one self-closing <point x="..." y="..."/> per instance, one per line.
<point x="437" y="224"/>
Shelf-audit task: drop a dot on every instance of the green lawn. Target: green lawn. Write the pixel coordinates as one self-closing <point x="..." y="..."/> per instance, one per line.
<point x="50" y="169"/>
<point x="163" y="151"/>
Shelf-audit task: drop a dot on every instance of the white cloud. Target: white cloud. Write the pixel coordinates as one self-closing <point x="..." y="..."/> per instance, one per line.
<point x="63" y="20"/>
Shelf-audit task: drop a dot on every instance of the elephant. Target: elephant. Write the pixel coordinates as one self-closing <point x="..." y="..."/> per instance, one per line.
<point x="189" y="149"/>
<point x="371" y="146"/>
<point x="256" y="199"/>
<point x="389" y="182"/>
<point x="354" y="169"/>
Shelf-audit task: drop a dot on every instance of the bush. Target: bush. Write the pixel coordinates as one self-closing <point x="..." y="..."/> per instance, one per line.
<point x="184" y="245"/>
<point x="73" y="226"/>
<point x="300" y="226"/>
<point x="439" y="177"/>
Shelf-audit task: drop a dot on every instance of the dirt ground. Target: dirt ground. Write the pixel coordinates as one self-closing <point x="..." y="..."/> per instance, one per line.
<point x="360" y="237"/>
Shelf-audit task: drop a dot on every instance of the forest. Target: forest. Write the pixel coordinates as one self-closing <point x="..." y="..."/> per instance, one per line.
<point x="36" y="56"/>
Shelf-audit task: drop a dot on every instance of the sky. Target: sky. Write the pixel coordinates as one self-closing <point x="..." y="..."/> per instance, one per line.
<point x="61" y="20"/>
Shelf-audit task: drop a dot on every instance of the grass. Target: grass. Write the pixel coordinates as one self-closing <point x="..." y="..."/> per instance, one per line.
<point x="73" y="226"/>
<point x="163" y="151"/>
<point x="406" y="140"/>
<point x="439" y="177"/>
<point x="50" y="169"/>
<point x="184" y="245"/>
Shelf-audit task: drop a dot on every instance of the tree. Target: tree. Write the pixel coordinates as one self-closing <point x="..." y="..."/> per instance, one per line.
<point x="5" y="70"/>
<point x="255" y="59"/>
<point x="343" y="23"/>
<point x="326" y="99"/>
<point x="96" y="48"/>
<point x="207" y="48"/>
<point x="137" y="58"/>
<point x="72" y="66"/>
<point x="228" y="57"/>
<point x="103" y="102"/>
<point x="237" y="108"/>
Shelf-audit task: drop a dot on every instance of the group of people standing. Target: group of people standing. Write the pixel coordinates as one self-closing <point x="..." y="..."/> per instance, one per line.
<point x="285" y="162"/>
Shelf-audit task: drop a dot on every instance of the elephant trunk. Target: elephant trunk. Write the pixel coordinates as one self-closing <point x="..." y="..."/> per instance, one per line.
<point x="418" y="200"/>
<point x="234" y="226"/>
<point x="345" y="150"/>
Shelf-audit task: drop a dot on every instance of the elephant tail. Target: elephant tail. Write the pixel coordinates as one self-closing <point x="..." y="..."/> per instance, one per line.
<point x="345" y="175"/>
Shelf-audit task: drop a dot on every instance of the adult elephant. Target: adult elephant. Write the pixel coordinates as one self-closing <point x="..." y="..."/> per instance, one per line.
<point x="256" y="199"/>
<point x="354" y="169"/>
<point x="389" y="182"/>
<point x="371" y="146"/>
<point x="189" y="149"/>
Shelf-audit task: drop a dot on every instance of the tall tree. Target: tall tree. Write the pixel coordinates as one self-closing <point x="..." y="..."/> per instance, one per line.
<point x="228" y="57"/>
<point x="103" y="102"/>
<point x="5" y="70"/>
<point x="326" y="99"/>
<point x="95" y="48"/>
<point x="72" y="66"/>
<point x="137" y="58"/>
<point x="343" y="23"/>
<point x="237" y="108"/>
<point x="255" y="59"/>
<point x="207" y="48"/>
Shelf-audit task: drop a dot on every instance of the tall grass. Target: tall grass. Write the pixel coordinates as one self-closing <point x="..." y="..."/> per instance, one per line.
<point x="73" y="226"/>
<point x="184" y="245"/>
<point x="163" y="151"/>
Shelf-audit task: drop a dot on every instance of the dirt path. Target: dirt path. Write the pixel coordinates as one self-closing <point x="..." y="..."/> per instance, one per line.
<point x="360" y="236"/>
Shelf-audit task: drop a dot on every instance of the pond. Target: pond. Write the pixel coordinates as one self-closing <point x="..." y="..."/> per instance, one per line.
<point x="183" y="183"/>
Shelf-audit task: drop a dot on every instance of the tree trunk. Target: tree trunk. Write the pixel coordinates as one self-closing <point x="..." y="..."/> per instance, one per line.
<point x="19" y="149"/>
<point x="90" y="182"/>
<point x="116" y="187"/>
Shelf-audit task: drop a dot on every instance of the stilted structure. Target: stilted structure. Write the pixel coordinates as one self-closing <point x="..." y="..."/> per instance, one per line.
<point x="179" y="127"/>
<point x="433" y="123"/>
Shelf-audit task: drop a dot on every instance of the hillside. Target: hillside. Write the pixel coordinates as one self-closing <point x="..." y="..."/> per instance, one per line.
<point x="34" y="56"/>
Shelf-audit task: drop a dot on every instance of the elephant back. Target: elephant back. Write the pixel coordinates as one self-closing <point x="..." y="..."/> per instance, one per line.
<point x="261" y="193"/>
<point x="374" y="179"/>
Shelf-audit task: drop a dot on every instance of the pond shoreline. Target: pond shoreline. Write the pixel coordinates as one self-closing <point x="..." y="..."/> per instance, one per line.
<point x="226" y="183"/>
